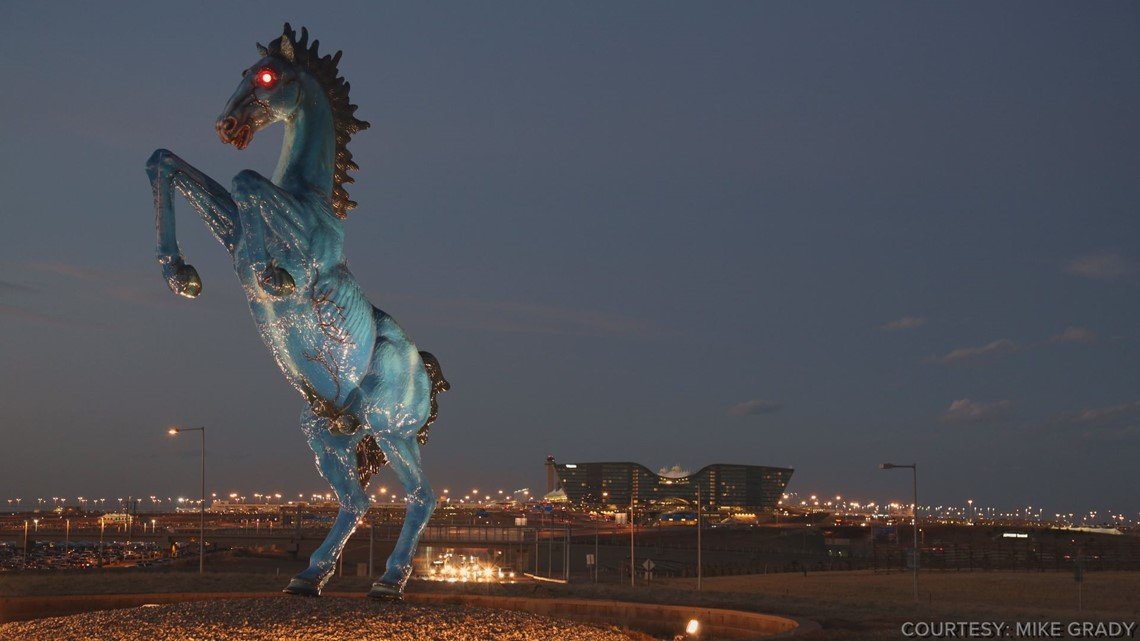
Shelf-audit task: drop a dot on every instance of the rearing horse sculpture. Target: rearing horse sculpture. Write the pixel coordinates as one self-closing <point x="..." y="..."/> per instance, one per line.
<point x="370" y="395"/>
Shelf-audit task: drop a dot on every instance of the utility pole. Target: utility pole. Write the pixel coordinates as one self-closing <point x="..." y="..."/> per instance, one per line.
<point x="595" y="552"/>
<point x="371" y="537"/>
<point x="632" y="556"/>
<point x="699" y="536"/>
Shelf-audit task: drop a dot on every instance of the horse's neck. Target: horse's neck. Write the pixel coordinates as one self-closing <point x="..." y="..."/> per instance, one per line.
<point x="307" y="152"/>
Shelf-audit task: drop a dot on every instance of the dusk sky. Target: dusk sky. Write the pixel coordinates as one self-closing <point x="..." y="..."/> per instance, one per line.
<point x="815" y="235"/>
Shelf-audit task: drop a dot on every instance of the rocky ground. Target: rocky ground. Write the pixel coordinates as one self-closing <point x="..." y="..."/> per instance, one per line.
<point x="285" y="619"/>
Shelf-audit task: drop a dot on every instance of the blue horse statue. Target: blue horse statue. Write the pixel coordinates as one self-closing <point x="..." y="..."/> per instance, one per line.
<point x="370" y="395"/>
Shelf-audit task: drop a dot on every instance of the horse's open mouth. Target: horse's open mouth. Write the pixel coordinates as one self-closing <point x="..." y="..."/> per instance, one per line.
<point x="242" y="137"/>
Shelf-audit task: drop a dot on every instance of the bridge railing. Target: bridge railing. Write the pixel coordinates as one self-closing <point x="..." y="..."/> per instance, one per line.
<point x="476" y="533"/>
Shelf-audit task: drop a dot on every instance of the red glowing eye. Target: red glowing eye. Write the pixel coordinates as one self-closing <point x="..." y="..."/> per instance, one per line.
<point x="266" y="78"/>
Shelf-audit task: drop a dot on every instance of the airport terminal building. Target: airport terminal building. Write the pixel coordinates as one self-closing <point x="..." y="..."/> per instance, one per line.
<point x="722" y="485"/>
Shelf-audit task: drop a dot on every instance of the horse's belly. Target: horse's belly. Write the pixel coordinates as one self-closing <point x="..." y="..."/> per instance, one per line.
<point x="317" y="358"/>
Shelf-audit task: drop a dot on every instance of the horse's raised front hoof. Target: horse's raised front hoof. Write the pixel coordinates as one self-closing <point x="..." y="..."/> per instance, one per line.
<point x="301" y="587"/>
<point x="184" y="281"/>
<point x="382" y="590"/>
<point x="277" y="282"/>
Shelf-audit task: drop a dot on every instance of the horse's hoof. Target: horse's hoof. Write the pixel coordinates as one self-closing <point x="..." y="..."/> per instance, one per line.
<point x="277" y="281"/>
<point x="301" y="587"/>
<point x="185" y="281"/>
<point x="381" y="590"/>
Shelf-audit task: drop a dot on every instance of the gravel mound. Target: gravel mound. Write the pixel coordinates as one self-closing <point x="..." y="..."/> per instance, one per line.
<point x="286" y="619"/>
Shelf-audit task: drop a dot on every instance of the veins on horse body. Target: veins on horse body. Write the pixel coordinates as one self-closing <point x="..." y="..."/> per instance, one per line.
<point x="324" y="357"/>
<point x="332" y="317"/>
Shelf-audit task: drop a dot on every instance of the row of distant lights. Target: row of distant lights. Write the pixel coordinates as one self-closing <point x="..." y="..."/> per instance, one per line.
<point x="59" y="501"/>
<point x="949" y="512"/>
<point x="812" y="501"/>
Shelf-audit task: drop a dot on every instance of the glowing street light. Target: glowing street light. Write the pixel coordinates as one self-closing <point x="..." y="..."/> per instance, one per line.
<point x="174" y="431"/>
<point x="914" y="468"/>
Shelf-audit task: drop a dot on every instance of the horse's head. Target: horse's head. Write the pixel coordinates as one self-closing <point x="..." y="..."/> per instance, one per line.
<point x="269" y="91"/>
<point x="290" y="74"/>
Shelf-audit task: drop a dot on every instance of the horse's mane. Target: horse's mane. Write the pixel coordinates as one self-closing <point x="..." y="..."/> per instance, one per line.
<point x="324" y="70"/>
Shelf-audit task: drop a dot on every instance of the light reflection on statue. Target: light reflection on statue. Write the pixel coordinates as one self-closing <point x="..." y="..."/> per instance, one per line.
<point x="370" y="394"/>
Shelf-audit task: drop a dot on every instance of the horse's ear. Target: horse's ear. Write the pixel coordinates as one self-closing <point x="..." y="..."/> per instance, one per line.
<point x="287" y="49"/>
<point x="261" y="50"/>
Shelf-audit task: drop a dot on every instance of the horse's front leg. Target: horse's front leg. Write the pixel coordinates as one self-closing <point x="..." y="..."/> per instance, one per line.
<point x="270" y="214"/>
<point x="336" y="460"/>
<point x="168" y="172"/>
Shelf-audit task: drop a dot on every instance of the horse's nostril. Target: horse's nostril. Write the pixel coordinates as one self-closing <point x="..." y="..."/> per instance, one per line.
<point x="228" y="125"/>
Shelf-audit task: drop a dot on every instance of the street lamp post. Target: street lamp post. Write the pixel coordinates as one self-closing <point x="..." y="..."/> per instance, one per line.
<point x="174" y="431"/>
<point x="914" y="469"/>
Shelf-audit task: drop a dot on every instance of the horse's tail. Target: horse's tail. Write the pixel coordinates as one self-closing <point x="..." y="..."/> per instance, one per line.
<point x="438" y="384"/>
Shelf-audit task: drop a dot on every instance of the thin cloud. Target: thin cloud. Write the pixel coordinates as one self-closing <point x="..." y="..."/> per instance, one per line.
<point x="755" y="407"/>
<point x="26" y="314"/>
<point x="531" y="318"/>
<point x="8" y="287"/>
<point x="119" y="285"/>
<point x="1127" y="434"/>
<point x="1101" y="266"/>
<point x="71" y="271"/>
<point x="1075" y="335"/>
<point x="1106" y="414"/>
<point x="904" y="323"/>
<point x="1111" y="423"/>
<point x="33" y="316"/>
<point x="989" y="351"/>
<point x="965" y="410"/>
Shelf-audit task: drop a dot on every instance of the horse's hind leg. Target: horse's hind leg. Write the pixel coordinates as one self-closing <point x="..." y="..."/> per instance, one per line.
<point x="336" y="460"/>
<point x="403" y="453"/>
